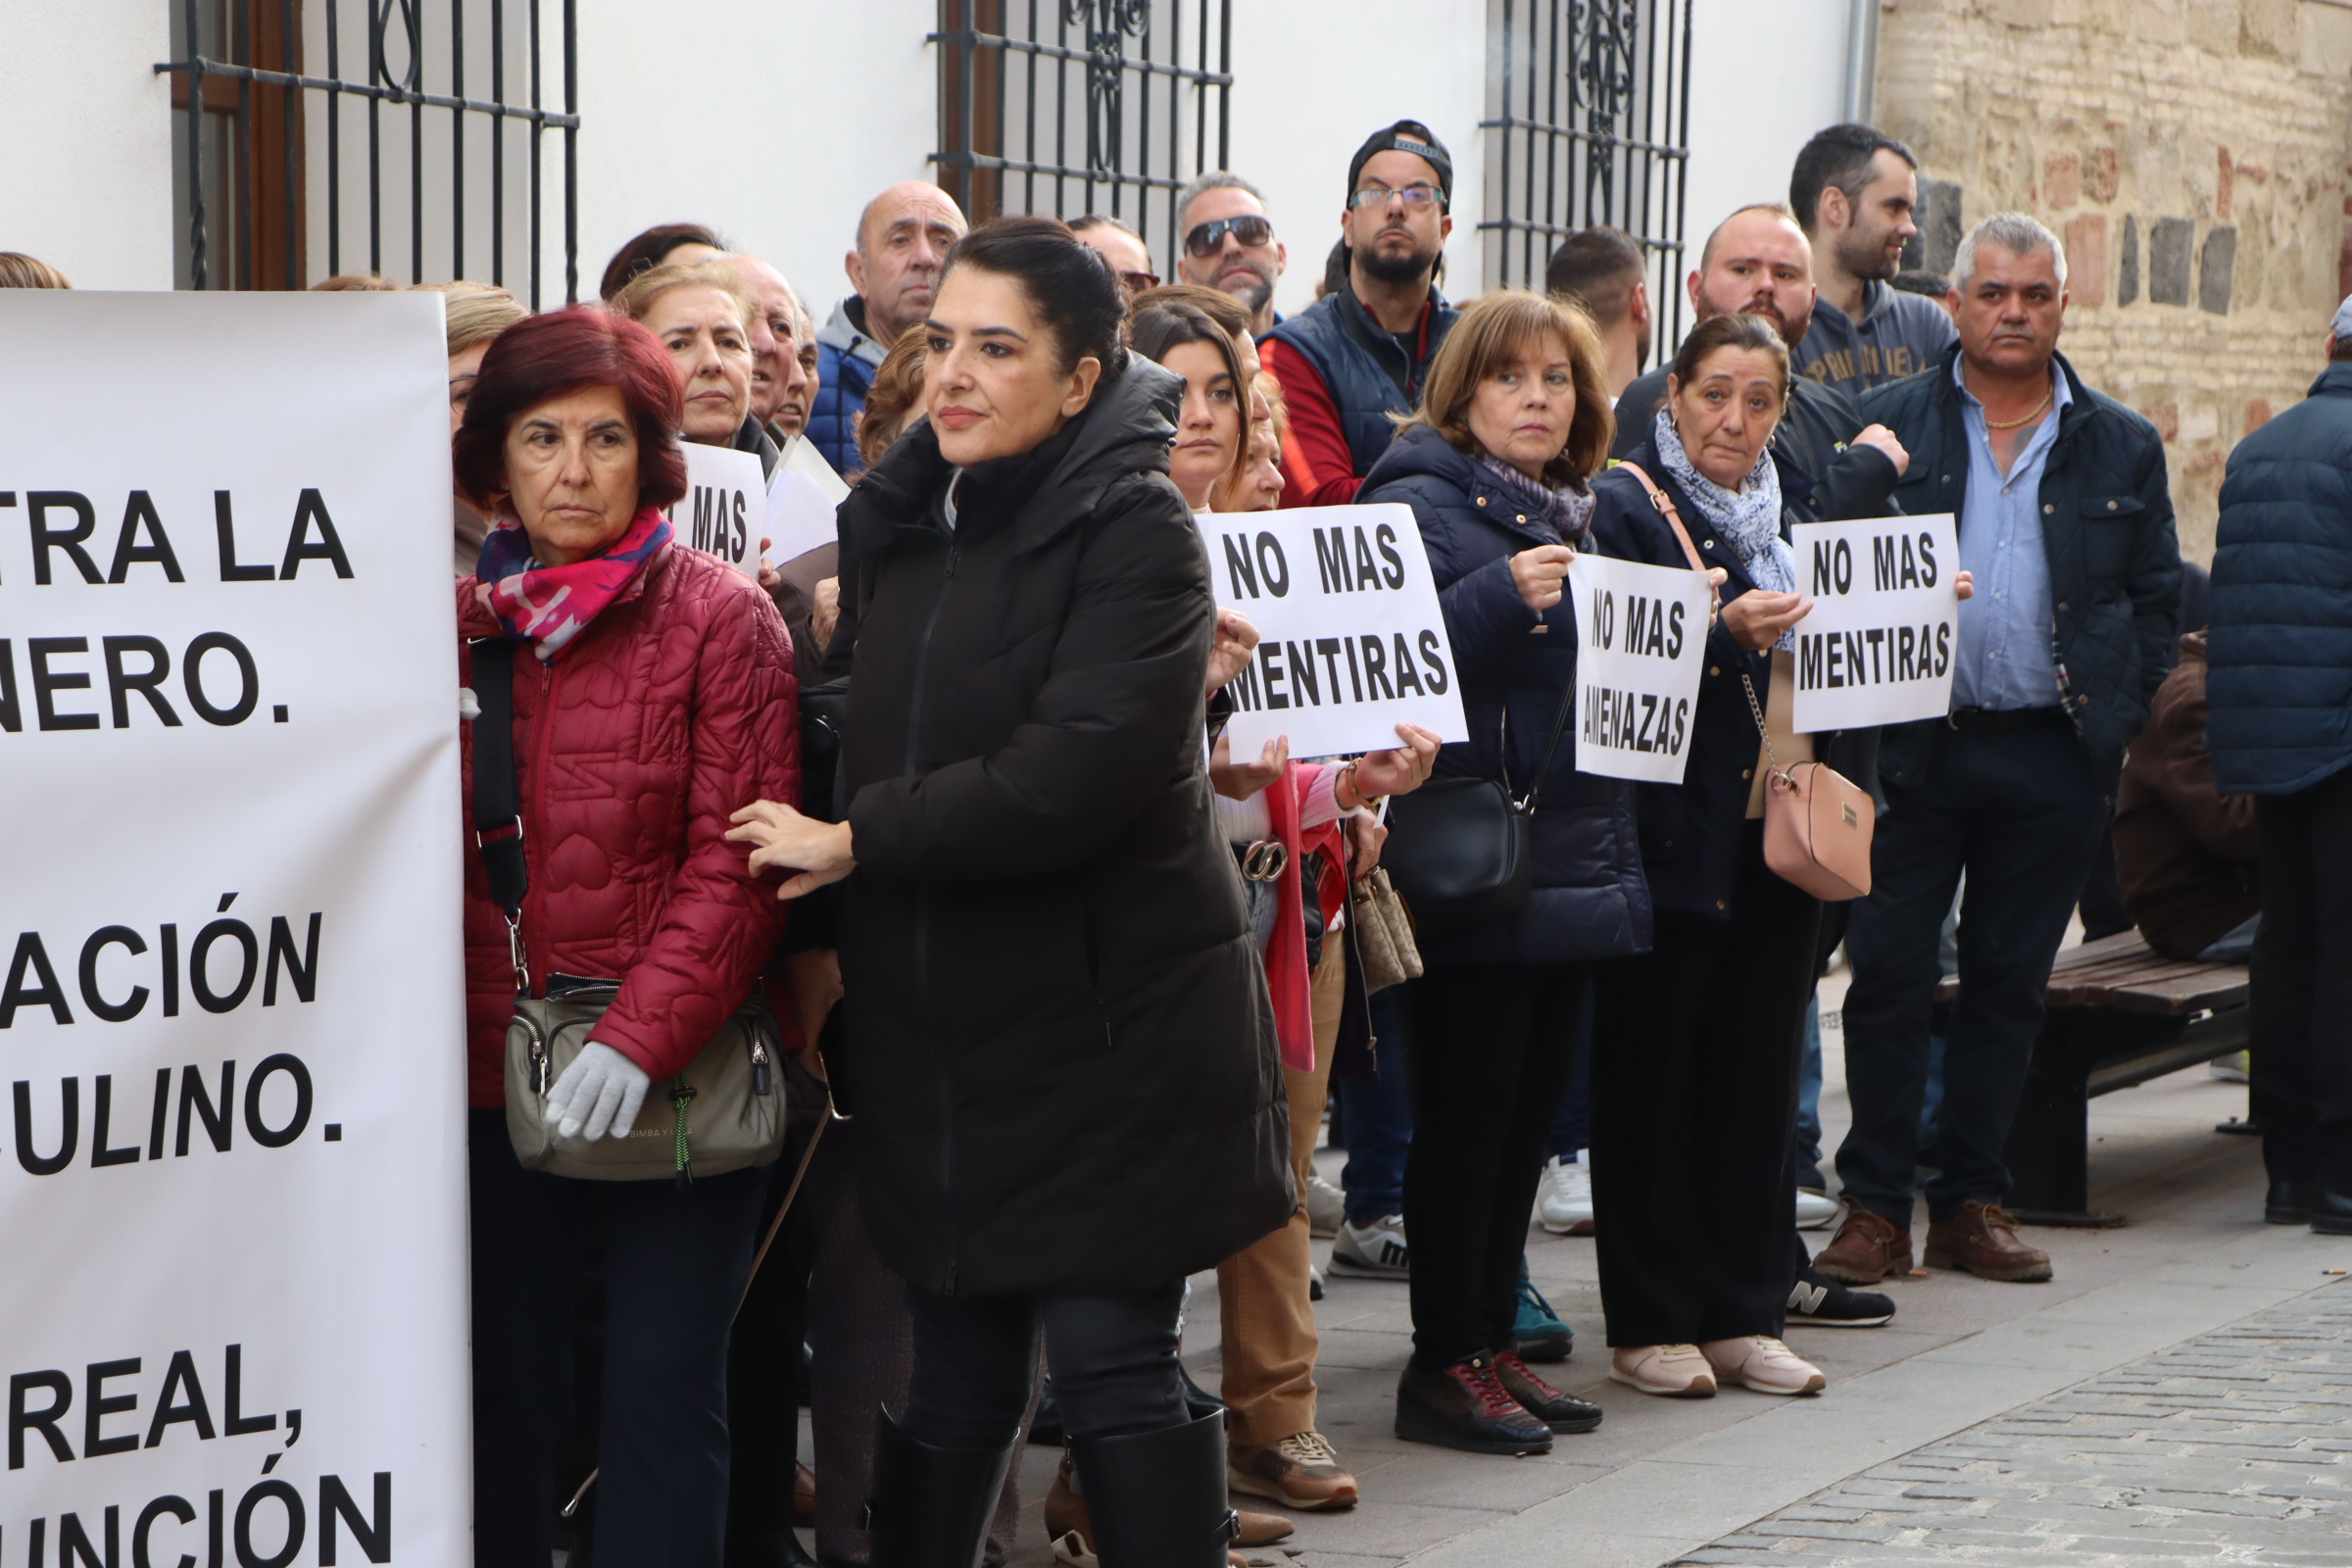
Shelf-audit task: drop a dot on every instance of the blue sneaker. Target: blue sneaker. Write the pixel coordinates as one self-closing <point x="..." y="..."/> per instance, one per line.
<point x="1540" y="1334"/>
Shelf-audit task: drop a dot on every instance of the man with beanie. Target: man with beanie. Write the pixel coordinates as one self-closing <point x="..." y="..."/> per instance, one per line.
<point x="1357" y="355"/>
<point x="2279" y="686"/>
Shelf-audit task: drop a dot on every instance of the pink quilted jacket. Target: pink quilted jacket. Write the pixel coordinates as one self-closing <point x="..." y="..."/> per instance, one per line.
<point x="673" y="708"/>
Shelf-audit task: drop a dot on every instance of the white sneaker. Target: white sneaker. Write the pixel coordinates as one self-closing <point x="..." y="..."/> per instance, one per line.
<point x="1376" y="1250"/>
<point x="1763" y="1363"/>
<point x="1814" y="1210"/>
<point x="1564" y="1199"/>
<point x="1326" y="1206"/>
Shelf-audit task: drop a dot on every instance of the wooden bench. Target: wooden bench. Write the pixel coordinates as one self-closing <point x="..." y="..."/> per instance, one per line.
<point x="2120" y="1014"/>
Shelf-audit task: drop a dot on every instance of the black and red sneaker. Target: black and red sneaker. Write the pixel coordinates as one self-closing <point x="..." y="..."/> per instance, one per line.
<point x="1563" y="1413"/>
<point x="1466" y="1406"/>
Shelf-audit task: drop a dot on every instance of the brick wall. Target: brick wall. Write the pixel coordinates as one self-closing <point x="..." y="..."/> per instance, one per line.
<point x="2193" y="155"/>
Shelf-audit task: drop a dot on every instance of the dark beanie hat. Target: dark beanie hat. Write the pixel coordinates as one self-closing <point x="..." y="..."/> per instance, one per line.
<point x="1406" y="136"/>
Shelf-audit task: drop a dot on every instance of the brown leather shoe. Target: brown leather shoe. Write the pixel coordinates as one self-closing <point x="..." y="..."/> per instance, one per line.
<point x="1867" y="1250"/>
<point x="804" y="1493"/>
<point x="1983" y="1239"/>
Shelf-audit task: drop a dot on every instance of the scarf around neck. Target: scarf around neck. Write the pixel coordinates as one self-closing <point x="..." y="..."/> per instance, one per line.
<point x="1567" y="513"/>
<point x="1748" y="516"/>
<point x="547" y="607"/>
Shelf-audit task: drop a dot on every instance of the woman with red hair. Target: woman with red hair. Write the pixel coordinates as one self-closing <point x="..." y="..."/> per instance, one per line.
<point x="652" y="691"/>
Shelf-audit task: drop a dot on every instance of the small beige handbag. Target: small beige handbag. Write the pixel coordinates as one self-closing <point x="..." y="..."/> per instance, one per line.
<point x="1385" y="949"/>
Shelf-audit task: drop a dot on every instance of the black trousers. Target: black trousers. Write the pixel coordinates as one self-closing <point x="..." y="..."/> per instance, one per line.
<point x="2302" y="990"/>
<point x="1487" y="1055"/>
<point x="674" y="1263"/>
<point x="2023" y="812"/>
<point x="1113" y="1358"/>
<point x="1696" y="1048"/>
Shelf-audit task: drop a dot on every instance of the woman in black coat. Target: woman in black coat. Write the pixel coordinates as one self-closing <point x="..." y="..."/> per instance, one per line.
<point x="1057" y="1014"/>
<point x="1494" y="464"/>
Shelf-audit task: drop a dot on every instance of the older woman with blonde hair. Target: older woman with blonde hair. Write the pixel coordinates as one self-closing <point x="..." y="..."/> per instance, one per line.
<point x="473" y="314"/>
<point x="702" y="315"/>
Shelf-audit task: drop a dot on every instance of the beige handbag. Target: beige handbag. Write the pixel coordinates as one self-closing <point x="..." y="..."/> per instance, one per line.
<point x="1818" y="823"/>
<point x="1385" y="950"/>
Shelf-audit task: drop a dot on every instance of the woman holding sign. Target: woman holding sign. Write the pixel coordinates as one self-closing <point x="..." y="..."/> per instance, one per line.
<point x="1059" y="1017"/>
<point x="1494" y="464"/>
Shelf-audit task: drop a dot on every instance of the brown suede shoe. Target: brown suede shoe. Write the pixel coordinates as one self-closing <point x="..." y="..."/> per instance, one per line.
<point x="1867" y="1250"/>
<point x="1302" y="1471"/>
<point x="1983" y="1239"/>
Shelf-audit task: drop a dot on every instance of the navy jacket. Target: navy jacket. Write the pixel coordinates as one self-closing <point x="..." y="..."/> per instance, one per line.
<point x="1363" y="369"/>
<point x="1690" y="831"/>
<point x="2107" y="534"/>
<point x="1590" y="899"/>
<point x="2280" y="683"/>
<point x="847" y="358"/>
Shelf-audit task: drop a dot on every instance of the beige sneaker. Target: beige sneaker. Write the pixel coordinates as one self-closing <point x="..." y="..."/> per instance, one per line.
<point x="1763" y="1363"/>
<point x="1677" y="1371"/>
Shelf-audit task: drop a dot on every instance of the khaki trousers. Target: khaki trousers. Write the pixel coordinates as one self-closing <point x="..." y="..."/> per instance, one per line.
<point x="1268" y="1320"/>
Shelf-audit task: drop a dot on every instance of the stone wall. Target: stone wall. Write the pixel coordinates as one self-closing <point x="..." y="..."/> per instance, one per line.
<point x="2193" y="153"/>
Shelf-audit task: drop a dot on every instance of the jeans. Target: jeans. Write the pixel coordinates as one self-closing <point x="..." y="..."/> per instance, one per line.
<point x="1572" y="1129"/>
<point x="2022" y="811"/>
<point x="1809" y="1102"/>
<point x="1489" y="1056"/>
<point x="1113" y="1355"/>
<point x="2302" y="989"/>
<point x="674" y="1263"/>
<point x="1378" y="1118"/>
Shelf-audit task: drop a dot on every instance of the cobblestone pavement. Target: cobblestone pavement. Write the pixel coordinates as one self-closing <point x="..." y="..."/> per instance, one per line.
<point x="2231" y="1448"/>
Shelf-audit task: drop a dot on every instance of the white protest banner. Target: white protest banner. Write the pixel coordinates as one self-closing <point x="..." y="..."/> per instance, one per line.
<point x="1642" y="637"/>
<point x="1876" y="646"/>
<point x="726" y="497"/>
<point x="233" y="1168"/>
<point x="1352" y="642"/>
<point x="802" y="498"/>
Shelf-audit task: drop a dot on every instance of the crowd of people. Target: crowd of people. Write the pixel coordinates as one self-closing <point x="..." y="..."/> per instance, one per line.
<point x="1065" y="987"/>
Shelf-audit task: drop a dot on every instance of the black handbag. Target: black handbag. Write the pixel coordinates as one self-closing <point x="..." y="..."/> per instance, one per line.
<point x="1462" y="850"/>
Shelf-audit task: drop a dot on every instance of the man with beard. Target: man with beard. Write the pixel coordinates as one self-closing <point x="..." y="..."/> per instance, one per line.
<point x="1229" y="244"/>
<point x="1856" y="193"/>
<point x="903" y="239"/>
<point x="1756" y="263"/>
<point x="1357" y="355"/>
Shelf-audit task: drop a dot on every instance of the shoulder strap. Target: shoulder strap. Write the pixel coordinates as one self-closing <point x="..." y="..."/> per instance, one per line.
<point x="497" y="792"/>
<point x="1552" y="747"/>
<point x="1659" y="499"/>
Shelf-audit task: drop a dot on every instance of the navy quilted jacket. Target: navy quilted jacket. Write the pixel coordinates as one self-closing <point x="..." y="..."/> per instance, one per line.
<point x="846" y="361"/>
<point x="2280" y="687"/>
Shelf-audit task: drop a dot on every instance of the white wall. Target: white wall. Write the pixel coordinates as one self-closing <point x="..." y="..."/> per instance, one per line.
<point x="86" y="139"/>
<point x="773" y="124"/>
<point x="1312" y="78"/>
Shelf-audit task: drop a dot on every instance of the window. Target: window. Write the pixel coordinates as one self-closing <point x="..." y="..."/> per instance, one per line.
<point x="1068" y="107"/>
<point x="314" y="137"/>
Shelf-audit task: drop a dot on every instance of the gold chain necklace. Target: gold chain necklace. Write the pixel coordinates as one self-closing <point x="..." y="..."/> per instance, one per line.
<point x="2038" y="409"/>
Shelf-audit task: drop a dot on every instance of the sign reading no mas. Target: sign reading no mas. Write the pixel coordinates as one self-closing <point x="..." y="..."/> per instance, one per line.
<point x="1876" y="647"/>
<point x="1641" y="636"/>
<point x="1351" y="641"/>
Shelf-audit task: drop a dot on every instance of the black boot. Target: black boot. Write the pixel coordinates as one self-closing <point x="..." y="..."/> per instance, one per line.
<point x="932" y="1507"/>
<point x="2331" y="1212"/>
<point x="1157" y="1499"/>
<point x="2288" y="1203"/>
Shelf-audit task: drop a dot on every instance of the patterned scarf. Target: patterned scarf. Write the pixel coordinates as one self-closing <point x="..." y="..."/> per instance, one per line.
<point x="1567" y="513"/>
<point x="548" y="607"/>
<point x="1748" y="516"/>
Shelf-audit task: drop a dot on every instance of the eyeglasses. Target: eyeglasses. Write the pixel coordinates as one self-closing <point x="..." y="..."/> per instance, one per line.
<point x="1411" y="195"/>
<point x="1139" y="283"/>
<point x="1207" y="239"/>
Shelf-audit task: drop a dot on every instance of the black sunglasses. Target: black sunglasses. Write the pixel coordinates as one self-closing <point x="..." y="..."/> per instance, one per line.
<point x="1205" y="238"/>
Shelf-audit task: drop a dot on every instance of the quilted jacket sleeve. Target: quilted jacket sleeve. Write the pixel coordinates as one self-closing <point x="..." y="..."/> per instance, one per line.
<point x="720" y="924"/>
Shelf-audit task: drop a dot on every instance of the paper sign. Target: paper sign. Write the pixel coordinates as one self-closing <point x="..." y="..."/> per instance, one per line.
<point x="1641" y="641"/>
<point x="1876" y="647"/>
<point x="1352" y="642"/>
<point x="802" y="500"/>
<point x="724" y="502"/>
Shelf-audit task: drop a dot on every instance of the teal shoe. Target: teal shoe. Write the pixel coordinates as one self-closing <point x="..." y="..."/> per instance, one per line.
<point x="1539" y="1332"/>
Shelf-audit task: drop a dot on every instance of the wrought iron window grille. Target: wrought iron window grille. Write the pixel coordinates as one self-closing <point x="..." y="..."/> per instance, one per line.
<point x="241" y="62"/>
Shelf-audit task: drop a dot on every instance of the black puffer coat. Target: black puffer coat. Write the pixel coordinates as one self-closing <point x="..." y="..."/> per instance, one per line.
<point x="1058" y="1025"/>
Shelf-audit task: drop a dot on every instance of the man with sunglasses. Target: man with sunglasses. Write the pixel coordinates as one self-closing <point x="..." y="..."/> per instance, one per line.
<point x="1358" y="354"/>
<point x="1229" y="244"/>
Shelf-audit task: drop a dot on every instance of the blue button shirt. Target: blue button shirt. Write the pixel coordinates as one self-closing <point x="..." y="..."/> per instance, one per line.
<point x="2007" y="629"/>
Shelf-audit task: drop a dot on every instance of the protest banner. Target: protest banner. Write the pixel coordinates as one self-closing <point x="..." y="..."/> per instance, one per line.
<point x="1876" y="646"/>
<point x="232" y="1165"/>
<point x="1642" y="637"/>
<point x="724" y="504"/>
<point x="802" y="498"/>
<point x="1352" y="642"/>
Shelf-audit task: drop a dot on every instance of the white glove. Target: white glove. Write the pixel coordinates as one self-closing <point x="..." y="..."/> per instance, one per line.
<point x="601" y="1090"/>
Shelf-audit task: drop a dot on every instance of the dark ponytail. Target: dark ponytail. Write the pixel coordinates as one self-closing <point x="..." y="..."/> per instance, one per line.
<point x="1067" y="284"/>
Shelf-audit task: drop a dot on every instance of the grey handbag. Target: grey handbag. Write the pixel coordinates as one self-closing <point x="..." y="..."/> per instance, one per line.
<point x="726" y="1108"/>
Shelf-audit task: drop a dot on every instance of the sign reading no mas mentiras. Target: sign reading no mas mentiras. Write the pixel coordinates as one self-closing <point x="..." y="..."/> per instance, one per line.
<point x="1351" y="641"/>
<point x="1641" y="636"/>
<point x="1876" y="647"/>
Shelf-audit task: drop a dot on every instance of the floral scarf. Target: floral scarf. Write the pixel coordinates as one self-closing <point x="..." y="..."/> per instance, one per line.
<point x="1567" y="513"/>
<point x="1748" y="516"/>
<point x="547" y="607"/>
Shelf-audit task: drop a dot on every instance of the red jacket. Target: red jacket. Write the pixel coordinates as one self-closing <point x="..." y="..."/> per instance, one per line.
<point x="673" y="708"/>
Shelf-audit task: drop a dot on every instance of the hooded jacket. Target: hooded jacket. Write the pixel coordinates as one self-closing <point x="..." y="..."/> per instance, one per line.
<point x="847" y="358"/>
<point x="1058" y="1019"/>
